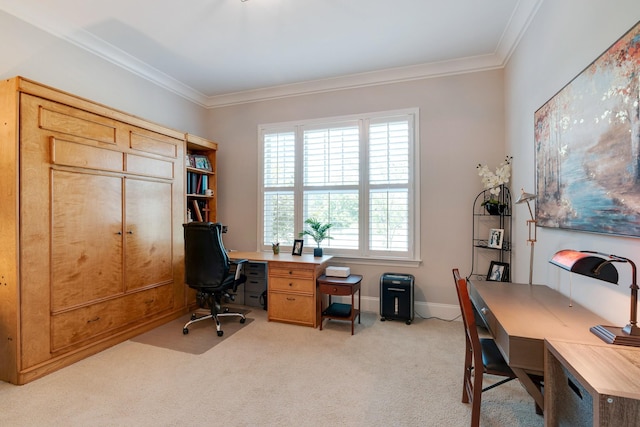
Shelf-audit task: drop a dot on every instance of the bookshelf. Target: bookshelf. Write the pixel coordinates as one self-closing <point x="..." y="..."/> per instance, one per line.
<point x="201" y="180"/>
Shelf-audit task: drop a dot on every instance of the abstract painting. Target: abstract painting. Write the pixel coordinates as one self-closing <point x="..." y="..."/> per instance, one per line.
<point x="587" y="146"/>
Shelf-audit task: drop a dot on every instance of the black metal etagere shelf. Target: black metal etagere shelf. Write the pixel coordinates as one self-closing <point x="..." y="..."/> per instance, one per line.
<point x="486" y="218"/>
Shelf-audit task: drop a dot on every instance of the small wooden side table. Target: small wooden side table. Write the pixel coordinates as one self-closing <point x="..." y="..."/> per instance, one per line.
<point x="340" y="286"/>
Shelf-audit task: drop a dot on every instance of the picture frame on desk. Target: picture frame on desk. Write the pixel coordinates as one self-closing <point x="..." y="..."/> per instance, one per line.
<point x="297" y="247"/>
<point x="498" y="272"/>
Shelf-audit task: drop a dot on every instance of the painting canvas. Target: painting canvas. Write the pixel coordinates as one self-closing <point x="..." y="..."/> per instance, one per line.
<point x="587" y="142"/>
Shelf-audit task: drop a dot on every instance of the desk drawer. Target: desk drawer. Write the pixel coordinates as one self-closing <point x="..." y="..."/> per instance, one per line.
<point x="255" y="270"/>
<point x="482" y="309"/>
<point x="285" y="270"/>
<point x="291" y="284"/>
<point x="292" y="308"/>
<point x="335" y="289"/>
<point x="255" y="285"/>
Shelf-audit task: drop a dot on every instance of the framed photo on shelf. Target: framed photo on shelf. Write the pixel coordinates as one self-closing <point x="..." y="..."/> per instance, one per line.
<point x="201" y="162"/>
<point x="496" y="236"/>
<point x="498" y="272"/>
<point x="297" y="247"/>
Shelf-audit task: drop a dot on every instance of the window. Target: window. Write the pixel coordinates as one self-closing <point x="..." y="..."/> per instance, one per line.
<point x="356" y="172"/>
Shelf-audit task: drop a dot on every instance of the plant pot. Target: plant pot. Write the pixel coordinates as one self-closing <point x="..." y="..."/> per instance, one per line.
<point x="495" y="209"/>
<point x="317" y="252"/>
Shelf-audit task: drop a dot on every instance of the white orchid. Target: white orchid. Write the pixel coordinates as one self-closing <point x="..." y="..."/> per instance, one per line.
<point x="492" y="181"/>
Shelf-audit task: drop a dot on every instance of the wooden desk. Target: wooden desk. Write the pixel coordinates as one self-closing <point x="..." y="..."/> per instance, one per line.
<point x="591" y="384"/>
<point x="521" y="316"/>
<point x="292" y="295"/>
<point x="340" y="286"/>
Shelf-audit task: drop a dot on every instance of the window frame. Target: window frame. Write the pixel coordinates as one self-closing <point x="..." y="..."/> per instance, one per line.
<point x="412" y="255"/>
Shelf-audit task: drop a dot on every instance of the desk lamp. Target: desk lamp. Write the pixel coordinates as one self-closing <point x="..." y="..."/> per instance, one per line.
<point x="600" y="266"/>
<point x="531" y="223"/>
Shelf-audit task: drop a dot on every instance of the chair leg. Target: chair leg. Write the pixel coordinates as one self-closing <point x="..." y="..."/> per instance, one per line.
<point x="468" y="368"/>
<point x="194" y="319"/>
<point x="215" y="304"/>
<point x="477" y="398"/>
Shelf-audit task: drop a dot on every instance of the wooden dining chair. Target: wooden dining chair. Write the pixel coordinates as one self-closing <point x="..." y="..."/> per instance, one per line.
<point x="482" y="355"/>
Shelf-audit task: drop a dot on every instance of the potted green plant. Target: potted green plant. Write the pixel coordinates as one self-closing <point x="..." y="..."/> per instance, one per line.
<point x="318" y="232"/>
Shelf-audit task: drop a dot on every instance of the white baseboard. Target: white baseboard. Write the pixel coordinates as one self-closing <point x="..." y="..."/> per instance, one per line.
<point x="421" y="309"/>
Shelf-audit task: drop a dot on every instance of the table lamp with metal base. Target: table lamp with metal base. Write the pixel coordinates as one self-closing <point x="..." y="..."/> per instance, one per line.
<point x="601" y="267"/>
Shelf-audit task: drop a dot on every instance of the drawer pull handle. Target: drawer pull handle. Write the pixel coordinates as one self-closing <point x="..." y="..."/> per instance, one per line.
<point x="119" y="233"/>
<point x="149" y="301"/>
<point x="290" y="272"/>
<point x="290" y="299"/>
<point x="129" y="232"/>
<point x="93" y="320"/>
<point x="290" y="284"/>
<point x="335" y="289"/>
<point x="484" y="310"/>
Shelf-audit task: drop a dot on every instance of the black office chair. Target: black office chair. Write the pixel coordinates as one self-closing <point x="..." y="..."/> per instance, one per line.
<point x="209" y="271"/>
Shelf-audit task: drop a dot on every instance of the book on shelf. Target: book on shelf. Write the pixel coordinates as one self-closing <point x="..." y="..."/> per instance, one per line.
<point x="199" y="185"/>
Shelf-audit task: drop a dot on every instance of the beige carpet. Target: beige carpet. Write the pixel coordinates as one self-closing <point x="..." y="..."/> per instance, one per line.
<point x="274" y="374"/>
<point x="202" y="335"/>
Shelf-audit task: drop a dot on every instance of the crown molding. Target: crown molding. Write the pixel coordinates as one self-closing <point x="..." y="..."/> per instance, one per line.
<point x="518" y="23"/>
<point x="87" y="41"/>
<point x="353" y="81"/>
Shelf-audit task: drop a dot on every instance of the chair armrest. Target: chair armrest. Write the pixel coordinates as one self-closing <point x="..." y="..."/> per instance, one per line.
<point x="238" y="263"/>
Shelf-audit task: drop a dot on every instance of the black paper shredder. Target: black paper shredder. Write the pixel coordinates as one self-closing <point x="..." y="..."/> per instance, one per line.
<point x="396" y="297"/>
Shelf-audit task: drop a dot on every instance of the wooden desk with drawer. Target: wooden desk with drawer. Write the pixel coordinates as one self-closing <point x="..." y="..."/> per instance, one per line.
<point x="521" y="316"/>
<point x="292" y="294"/>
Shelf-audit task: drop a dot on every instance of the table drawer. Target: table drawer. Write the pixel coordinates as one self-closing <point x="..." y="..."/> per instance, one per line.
<point x="335" y="289"/>
<point x="291" y="284"/>
<point x="292" y="308"/>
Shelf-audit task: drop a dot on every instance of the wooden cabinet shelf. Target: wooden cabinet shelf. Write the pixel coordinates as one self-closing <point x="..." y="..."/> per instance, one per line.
<point x="200" y="180"/>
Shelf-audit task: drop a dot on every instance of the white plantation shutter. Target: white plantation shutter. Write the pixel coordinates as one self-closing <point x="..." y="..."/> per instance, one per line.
<point x="389" y="168"/>
<point x="278" y="183"/>
<point x="331" y="171"/>
<point x="357" y="173"/>
<point x="331" y="156"/>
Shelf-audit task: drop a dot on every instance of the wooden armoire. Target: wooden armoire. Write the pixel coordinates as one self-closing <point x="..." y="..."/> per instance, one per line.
<point x="91" y="211"/>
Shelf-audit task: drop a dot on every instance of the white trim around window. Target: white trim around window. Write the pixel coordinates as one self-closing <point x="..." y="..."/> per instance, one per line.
<point x="359" y="172"/>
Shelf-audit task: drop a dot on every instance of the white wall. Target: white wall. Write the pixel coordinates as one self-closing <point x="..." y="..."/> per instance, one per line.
<point x="37" y="55"/>
<point x="564" y="38"/>
<point x="461" y="125"/>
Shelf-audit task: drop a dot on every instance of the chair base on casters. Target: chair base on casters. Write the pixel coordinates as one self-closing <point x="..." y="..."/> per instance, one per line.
<point x="215" y="314"/>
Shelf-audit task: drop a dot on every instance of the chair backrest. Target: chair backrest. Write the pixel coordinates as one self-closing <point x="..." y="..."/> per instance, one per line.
<point x="205" y="258"/>
<point x="468" y="317"/>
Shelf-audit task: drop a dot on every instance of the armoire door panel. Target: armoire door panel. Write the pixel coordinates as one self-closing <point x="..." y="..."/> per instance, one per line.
<point x="148" y="233"/>
<point x="86" y="238"/>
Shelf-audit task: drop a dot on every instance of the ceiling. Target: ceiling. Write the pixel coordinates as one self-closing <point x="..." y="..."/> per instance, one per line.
<point x="222" y="52"/>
